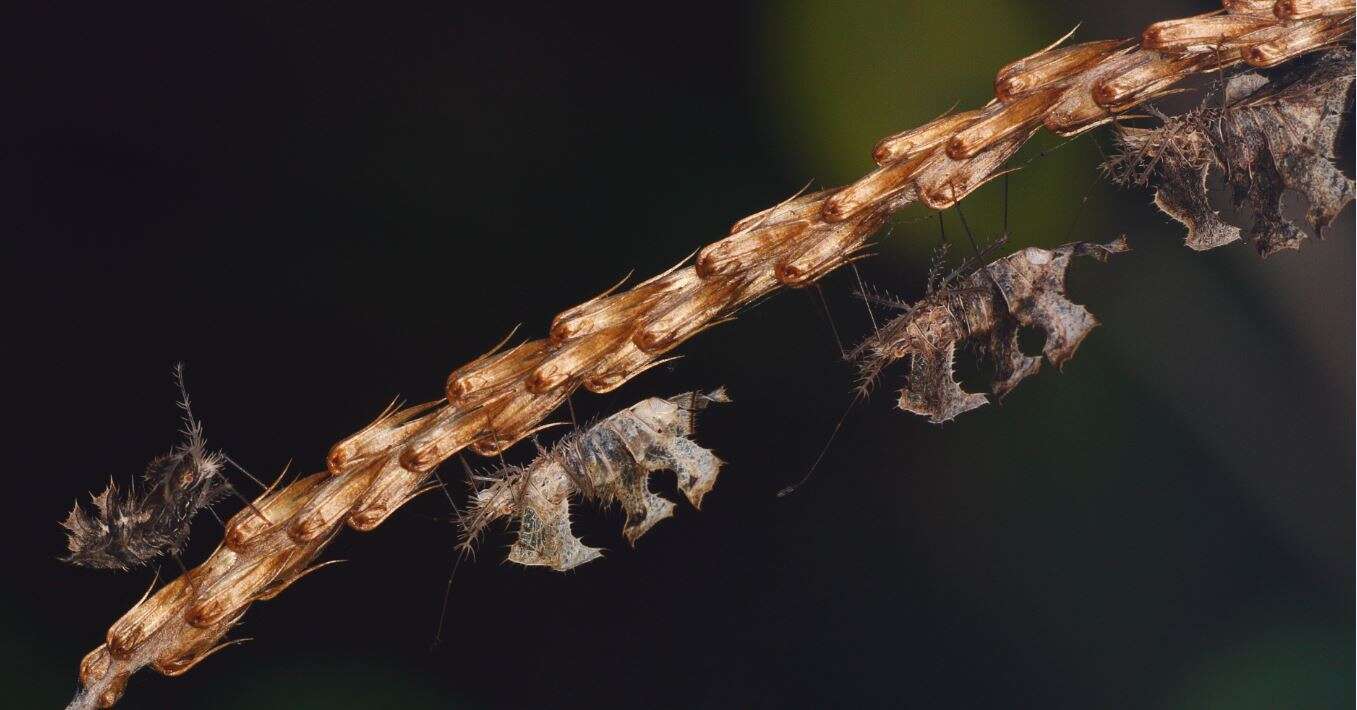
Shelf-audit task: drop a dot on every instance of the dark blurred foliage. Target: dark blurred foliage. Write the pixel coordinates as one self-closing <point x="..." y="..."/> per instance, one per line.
<point x="319" y="206"/>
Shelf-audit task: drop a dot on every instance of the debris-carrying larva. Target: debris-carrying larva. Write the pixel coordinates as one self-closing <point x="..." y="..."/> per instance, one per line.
<point x="129" y="528"/>
<point x="986" y="308"/>
<point x="609" y="461"/>
<point x="1266" y="136"/>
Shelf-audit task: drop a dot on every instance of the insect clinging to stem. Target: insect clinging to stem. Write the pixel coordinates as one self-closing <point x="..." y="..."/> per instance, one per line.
<point x="131" y="527"/>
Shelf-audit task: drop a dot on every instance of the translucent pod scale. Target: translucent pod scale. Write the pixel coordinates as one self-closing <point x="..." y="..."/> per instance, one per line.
<point x="1124" y="91"/>
<point x="392" y="487"/>
<point x="141" y="621"/>
<point x="485" y="374"/>
<point x="1050" y="67"/>
<point x="1248" y="7"/>
<point x="628" y="362"/>
<point x="1016" y="118"/>
<point x="1202" y="33"/>
<point x="684" y="314"/>
<point x="230" y="595"/>
<point x="190" y="648"/>
<point x="833" y="245"/>
<point x="1076" y="111"/>
<point x="576" y="357"/>
<point x="451" y="431"/>
<point x="1305" y="37"/>
<point x="950" y="181"/>
<point x="329" y="503"/>
<point x="874" y="187"/>
<point x="518" y="417"/>
<point x="743" y="250"/>
<point x="251" y="523"/>
<point x="916" y="140"/>
<point x="378" y="437"/>
<point x="798" y="207"/>
<point x="610" y="311"/>
<point x="1306" y="9"/>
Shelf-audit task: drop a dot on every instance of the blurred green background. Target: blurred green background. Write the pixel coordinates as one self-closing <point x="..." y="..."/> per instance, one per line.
<point x="320" y="207"/>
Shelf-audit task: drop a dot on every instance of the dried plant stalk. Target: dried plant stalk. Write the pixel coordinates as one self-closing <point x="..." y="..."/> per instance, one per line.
<point x="502" y="398"/>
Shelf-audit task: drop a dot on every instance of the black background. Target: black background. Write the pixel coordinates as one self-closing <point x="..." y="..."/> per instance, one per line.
<point x="319" y="207"/>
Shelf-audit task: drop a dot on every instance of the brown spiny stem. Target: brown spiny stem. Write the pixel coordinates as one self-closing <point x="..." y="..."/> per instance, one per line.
<point x="502" y="397"/>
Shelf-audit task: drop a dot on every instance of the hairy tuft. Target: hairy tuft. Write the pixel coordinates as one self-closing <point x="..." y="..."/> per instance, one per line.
<point x="128" y="528"/>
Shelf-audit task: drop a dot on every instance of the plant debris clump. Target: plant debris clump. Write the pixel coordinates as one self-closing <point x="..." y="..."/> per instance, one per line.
<point x="1272" y="131"/>
<point x="609" y="461"/>
<point x="987" y="309"/>
<point x="129" y="528"/>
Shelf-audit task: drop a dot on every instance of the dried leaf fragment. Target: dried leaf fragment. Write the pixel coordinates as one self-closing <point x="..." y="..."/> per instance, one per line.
<point x="609" y="461"/>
